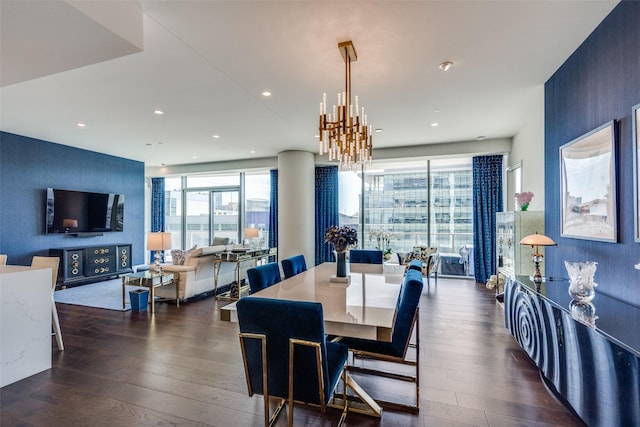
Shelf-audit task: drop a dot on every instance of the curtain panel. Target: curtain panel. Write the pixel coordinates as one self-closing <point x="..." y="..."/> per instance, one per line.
<point x="487" y="200"/>
<point x="326" y="209"/>
<point x="157" y="209"/>
<point x="273" y="209"/>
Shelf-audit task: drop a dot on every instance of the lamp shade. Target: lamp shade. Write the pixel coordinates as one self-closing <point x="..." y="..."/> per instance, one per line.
<point x="250" y="233"/>
<point x="158" y="241"/>
<point x="69" y="223"/>
<point x="537" y="240"/>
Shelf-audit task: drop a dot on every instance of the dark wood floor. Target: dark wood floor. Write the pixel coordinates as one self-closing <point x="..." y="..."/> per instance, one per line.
<point x="183" y="367"/>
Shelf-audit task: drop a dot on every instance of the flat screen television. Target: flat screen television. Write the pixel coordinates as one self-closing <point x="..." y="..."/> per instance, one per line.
<point x="76" y="212"/>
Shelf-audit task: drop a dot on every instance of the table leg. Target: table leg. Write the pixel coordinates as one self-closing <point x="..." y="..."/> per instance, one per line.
<point x="124" y="281"/>
<point x="178" y="294"/>
<point x="153" y="299"/>
<point x="215" y="278"/>
<point x="238" y="277"/>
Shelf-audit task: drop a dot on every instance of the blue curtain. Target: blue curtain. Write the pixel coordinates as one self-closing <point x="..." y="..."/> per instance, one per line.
<point x="157" y="207"/>
<point x="273" y="209"/>
<point x="326" y="209"/>
<point x="487" y="200"/>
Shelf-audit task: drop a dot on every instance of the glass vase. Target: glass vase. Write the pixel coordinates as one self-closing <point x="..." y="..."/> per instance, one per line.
<point x="581" y="284"/>
<point x="341" y="264"/>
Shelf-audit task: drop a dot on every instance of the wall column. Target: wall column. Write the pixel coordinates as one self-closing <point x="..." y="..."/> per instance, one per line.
<point x="296" y="205"/>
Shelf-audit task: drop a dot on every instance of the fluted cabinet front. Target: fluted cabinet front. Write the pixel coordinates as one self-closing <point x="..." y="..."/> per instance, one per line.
<point x="598" y="376"/>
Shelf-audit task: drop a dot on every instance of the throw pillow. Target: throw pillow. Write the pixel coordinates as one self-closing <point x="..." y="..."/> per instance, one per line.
<point x="178" y="255"/>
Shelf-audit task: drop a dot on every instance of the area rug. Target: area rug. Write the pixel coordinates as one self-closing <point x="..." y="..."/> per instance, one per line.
<point x="107" y="295"/>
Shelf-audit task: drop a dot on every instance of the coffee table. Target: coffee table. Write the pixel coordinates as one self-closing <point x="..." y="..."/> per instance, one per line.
<point x="149" y="280"/>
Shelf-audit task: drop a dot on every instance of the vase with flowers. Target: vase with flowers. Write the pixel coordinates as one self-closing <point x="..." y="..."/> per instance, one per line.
<point x="342" y="239"/>
<point x="383" y="240"/>
<point x="523" y="199"/>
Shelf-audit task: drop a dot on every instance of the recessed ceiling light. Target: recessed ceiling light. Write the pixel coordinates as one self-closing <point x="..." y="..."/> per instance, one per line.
<point x="162" y="165"/>
<point x="148" y="144"/>
<point x="81" y="125"/>
<point x="252" y="151"/>
<point x="266" y="93"/>
<point x="437" y="110"/>
<point x="215" y="136"/>
<point x="481" y="137"/>
<point x="379" y="130"/>
<point x="158" y="112"/>
<point x="195" y="157"/>
<point x="445" y="65"/>
<point x="435" y="124"/>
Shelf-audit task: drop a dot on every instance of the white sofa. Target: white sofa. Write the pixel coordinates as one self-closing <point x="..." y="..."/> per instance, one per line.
<point x="196" y="276"/>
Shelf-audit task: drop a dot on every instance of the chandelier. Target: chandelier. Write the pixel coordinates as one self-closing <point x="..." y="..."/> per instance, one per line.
<point x="344" y="133"/>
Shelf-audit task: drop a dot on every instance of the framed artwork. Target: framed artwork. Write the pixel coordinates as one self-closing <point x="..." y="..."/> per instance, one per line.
<point x="588" y="179"/>
<point x="635" y="117"/>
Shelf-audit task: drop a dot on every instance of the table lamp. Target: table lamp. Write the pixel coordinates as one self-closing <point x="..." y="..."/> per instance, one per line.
<point x="68" y="223"/>
<point x="535" y="241"/>
<point x="250" y="233"/>
<point x="158" y="242"/>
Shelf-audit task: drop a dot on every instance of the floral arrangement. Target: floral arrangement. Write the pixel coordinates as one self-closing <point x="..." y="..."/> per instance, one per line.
<point x="383" y="239"/>
<point x="524" y="199"/>
<point x="341" y="237"/>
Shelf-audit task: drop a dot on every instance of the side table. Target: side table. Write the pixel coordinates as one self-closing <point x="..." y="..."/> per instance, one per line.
<point x="149" y="280"/>
<point x="238" y="256"/>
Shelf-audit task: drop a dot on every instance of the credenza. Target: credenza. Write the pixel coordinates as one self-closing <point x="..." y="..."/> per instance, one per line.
<point x="85" y="264"/>
<point x="588" y="355"/>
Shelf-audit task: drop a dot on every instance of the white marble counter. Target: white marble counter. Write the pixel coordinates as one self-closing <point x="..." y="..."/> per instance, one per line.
<point x="25" y="322"/>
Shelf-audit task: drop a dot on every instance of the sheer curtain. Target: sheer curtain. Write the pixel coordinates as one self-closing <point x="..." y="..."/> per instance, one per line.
<point x="326" y="209"/>
<point x="487" y="200"/>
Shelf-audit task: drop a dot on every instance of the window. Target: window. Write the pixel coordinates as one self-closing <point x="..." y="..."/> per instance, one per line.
<point x="200" y="207"/>
<point x="257" y="204"/>
<point x="420" y="202"/>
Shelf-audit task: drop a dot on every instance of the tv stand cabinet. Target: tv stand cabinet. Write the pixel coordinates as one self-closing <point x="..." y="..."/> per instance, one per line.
<point x="80" y="265"/>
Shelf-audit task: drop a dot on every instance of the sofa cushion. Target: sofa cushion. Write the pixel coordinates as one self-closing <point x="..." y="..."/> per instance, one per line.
<point x="207" y="251"/>
<point x="217" y="241"/>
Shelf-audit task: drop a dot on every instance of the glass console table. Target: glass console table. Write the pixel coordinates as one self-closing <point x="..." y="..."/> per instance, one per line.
<point x="238" y="256"/>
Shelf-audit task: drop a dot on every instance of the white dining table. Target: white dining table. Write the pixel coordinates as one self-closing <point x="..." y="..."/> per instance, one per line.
<point x="364" y="307"/>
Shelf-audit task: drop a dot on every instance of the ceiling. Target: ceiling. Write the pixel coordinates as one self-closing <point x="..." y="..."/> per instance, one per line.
<point x="109" y="65"/>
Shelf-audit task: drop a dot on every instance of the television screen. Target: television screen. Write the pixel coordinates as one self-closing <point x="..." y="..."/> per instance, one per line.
<point x="83" y="212"/>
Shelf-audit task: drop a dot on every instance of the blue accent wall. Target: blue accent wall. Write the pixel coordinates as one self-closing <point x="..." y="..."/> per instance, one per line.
<point x="29" y="166"/>
<point x="599" y="82"/>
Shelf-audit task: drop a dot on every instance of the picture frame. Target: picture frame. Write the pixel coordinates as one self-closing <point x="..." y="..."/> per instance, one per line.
<point x="588" y="186"/>
<point x="635" y="136"/>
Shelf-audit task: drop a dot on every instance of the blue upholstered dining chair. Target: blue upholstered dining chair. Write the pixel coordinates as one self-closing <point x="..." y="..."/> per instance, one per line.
<point x="406" y="318"/>
<point x="286" y="354"/>
<point x="293" y="265"/>
<point x="416" y="264"/>
<point x="263" y="276"/>
<point x="365" y="256"/>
